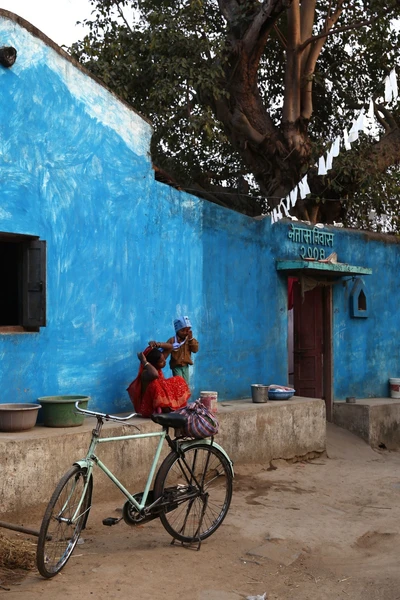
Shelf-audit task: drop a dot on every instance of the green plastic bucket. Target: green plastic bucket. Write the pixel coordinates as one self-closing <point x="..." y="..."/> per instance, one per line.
<point x="59" y="411"/>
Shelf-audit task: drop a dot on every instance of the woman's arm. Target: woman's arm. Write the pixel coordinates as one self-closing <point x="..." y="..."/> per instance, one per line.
<point x="149" y="372"/>
<point x="166" y="347"/>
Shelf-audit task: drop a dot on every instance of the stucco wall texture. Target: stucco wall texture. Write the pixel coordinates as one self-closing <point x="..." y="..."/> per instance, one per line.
<point x="126" y="255"/>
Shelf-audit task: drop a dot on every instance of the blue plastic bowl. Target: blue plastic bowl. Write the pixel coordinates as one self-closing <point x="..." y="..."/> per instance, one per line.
<point x="280" y="394"/>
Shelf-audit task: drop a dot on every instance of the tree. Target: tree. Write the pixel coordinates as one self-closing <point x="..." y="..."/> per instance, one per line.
<point x="245" y="95"/>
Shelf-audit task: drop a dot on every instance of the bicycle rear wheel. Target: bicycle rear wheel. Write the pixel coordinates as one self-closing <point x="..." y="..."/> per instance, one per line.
<point x="58" y="534"/>
<point x="197" y="491"/>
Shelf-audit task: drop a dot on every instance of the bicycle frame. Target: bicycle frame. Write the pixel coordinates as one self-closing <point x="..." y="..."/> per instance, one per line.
<point x="92" y="459"/>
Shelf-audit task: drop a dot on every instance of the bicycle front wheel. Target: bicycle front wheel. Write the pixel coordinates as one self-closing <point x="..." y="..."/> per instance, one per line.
<point x="64" y="518"/>
<point x="196" y="491"/>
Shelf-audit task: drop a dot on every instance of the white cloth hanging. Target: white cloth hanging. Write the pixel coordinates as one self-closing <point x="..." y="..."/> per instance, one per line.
<point x="393" y="83"/>
<point x="388" y="90"/>
<point x="336" y="147"/>
<point x="346" y="141"/>
<point x="329" y="159"/>
<point x="362" y="121"/>
<point x="305" y="181"/>
<point x="353" y="133"/>
<point x="302" y="190"/>
<point x="373" y="128"/>
<point x="285" y="204"/>
<point x="303" y="187"/>
<point x="371" y="112"/>
<point x="321" y="166"/>
<point x="293" y="196"/>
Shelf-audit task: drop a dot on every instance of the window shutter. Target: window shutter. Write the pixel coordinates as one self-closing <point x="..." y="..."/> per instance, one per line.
<point x="34" y="284"/>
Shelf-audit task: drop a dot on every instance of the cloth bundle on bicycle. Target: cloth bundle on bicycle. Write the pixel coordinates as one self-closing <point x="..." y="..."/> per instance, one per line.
<point x="200" y="422"/>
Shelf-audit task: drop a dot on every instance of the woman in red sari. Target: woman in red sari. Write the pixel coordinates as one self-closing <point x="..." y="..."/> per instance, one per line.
<point x="150" y="392"/>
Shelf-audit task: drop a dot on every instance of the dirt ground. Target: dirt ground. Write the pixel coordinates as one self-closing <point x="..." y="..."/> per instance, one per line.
<point x="319" y="530"/>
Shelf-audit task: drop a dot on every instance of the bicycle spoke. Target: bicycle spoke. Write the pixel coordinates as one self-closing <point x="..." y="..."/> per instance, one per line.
<point x="63" y="520"/>
<point x="202" y="484"/>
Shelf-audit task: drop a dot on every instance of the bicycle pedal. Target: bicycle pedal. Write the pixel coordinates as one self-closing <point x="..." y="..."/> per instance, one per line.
<point x="109" y="521"/>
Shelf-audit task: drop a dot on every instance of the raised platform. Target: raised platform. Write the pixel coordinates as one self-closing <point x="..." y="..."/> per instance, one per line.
<point x="33" y="461"/>
<point x="375" y="420"/>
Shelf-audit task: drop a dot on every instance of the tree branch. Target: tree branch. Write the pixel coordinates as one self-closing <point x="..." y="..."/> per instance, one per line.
<point x="270" y="10"/>
<point x="389" y="123"/>
<point x="382" y="121"/>
<point x="313" y="54"/>
<point x="291" y="102"/>
<point x="325" y="34"/>
<point x="121" y="14"/>
<point x="307" y="15"/>
<point x="243" y="127"/>
<point x="280" y="36"/>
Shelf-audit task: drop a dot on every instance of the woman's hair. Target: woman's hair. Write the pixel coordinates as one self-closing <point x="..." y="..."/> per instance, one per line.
<point x="153" y="356"/>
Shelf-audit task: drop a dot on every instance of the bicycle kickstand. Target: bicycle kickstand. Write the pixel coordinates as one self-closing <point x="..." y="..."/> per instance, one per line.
<point x="189" y="545"/>
<point x="196" y="537"/>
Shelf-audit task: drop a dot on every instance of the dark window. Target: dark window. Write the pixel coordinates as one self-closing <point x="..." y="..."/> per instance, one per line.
<point x="23" y="283"/>
<point x="358" y="300"/>
<point x="362" y="301"/>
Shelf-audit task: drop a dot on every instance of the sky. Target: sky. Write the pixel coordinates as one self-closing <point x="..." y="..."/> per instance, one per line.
<point x="56" y="18"/>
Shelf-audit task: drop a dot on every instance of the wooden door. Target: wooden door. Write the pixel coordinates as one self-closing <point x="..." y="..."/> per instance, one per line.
<point x="308" y="343"/>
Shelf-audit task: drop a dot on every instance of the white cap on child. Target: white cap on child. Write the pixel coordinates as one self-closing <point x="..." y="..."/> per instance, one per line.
<point x="182" y="322"/>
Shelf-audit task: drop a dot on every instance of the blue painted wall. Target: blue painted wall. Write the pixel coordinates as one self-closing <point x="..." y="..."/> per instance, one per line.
<point x="126" y="255"/>
<point x="367" y="351"/>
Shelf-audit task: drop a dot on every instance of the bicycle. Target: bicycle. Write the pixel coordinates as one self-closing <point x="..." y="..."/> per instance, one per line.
<point x="191" y="494"/>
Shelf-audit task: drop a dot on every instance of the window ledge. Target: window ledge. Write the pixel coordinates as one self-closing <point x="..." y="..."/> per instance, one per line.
<point x="16" y="329"/>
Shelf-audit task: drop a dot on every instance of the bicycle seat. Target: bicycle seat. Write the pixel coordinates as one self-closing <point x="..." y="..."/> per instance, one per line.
<point x="171" y="419"/>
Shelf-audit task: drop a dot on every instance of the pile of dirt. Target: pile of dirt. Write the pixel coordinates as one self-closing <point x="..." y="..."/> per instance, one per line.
<point x="17" y="558"/>
<point x="16" y="553"/>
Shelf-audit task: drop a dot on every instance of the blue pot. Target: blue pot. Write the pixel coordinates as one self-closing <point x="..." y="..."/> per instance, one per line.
<point x="276" y="394"/>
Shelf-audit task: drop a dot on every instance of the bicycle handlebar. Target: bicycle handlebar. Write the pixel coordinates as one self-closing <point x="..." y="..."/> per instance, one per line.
<point x="107" y="417"/>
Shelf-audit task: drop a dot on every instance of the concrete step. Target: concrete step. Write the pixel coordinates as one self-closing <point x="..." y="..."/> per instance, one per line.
<point x="32" y="462"/>
<point x="375" y="420"/>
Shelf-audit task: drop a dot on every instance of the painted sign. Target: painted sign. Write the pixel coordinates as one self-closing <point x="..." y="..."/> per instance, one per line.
<point x="311" y="241"/>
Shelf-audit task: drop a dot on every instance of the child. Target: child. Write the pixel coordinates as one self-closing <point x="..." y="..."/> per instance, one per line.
<point x="180" y="347"/>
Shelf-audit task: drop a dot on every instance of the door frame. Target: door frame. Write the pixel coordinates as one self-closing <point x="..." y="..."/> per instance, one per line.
<point x="327" y="316"/>
<point x="327" y="349"/>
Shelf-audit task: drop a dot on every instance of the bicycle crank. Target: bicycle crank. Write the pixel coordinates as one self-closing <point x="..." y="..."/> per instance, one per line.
<point x="132" y="516"/>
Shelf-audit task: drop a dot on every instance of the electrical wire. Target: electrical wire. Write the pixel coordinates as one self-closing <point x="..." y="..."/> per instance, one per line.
<point x="309" y="196"/>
